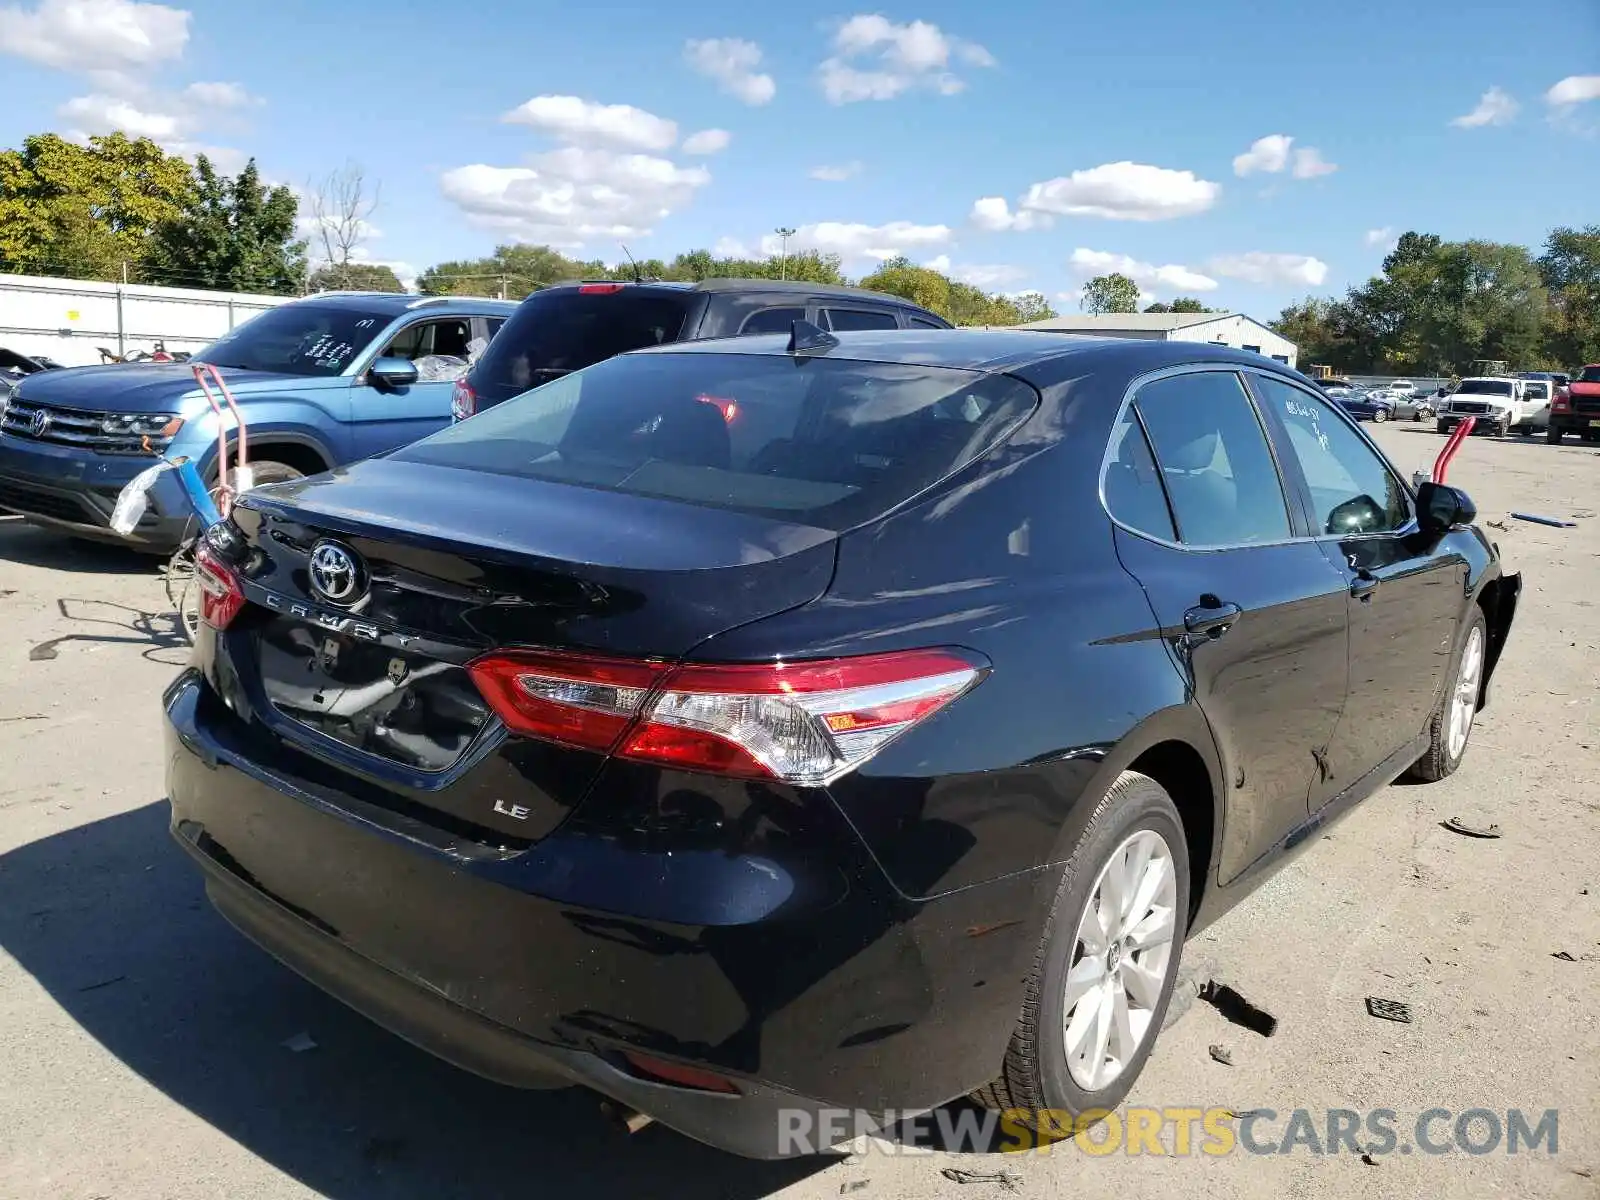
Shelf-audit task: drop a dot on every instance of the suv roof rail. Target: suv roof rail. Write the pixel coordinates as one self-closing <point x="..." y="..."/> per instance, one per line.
<point x="424" y="301"/>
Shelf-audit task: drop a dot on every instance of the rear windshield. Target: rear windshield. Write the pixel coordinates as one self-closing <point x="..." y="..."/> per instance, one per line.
<point x="831" y="443"/>
<point x="297" y="339"/>
<point x="1484" y="387"/>
<point x="1537" y="390"/>
<point x="563" y="329"/>
<point x="1590" y="375"/>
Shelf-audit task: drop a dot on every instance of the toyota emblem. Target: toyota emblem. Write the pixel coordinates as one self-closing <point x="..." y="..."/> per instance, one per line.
<point x="39" y="425"/>
<point x="337" y="575"/>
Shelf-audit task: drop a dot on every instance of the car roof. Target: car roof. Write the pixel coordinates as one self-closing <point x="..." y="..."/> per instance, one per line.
<point x="798" y="287"/>
<point x="398" y="303"/>
<point x="1009" y="350"/>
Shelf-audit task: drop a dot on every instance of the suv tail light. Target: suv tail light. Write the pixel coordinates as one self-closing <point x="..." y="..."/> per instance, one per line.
<point x="1562" y="401"/>
<point x="221" y="597"/>
<point x="804" y="722"/>
<point x="463" y="400"/>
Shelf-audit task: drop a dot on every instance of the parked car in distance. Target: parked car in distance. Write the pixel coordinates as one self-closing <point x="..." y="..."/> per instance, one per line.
<point x="574" y="325"/>
<point x="1401" y="387"/>
<point x="1414" y="406"/>
<point x="803" y="662"/>
<point x="1576" y="408"/>
<point x="322" y="381"/>
<point x="1364" y="405"/>
<point x="1500" y="403"/>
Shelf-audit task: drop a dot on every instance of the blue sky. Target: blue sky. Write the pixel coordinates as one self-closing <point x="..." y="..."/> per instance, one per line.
<point x="1244" y="152"/>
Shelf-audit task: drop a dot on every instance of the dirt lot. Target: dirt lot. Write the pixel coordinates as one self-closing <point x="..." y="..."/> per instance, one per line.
<point x="142" y="1043"/>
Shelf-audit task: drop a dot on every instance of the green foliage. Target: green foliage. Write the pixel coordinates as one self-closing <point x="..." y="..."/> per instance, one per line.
<point x="1113" y="293"/>
<point x="1439" y="307"/>
<point x="84" y="211"/>
<point x="236" y="235"/>
<point x="354" y="277"/>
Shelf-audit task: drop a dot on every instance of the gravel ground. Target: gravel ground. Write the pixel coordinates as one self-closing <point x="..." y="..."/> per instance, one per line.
<point x="145" y="1049"/>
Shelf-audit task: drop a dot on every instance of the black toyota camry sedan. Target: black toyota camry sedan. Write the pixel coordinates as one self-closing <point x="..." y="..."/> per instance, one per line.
<point x="785" y="724"/>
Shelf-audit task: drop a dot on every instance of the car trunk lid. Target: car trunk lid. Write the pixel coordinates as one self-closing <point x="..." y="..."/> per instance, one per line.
<point x="373" y="681"/>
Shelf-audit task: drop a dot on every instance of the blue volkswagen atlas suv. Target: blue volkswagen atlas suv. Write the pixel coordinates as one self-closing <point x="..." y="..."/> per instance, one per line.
<point x="322" y="381"/>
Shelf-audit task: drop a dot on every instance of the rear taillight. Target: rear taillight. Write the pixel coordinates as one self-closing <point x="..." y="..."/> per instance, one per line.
<point x="221" y="597"/>
<point x="1562" y="401"/>
<point x="463" y="400"/>
<point x="803" y="722"/>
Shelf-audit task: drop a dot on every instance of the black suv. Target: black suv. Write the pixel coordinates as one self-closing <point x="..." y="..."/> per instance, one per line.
<point x="573" y="325"/>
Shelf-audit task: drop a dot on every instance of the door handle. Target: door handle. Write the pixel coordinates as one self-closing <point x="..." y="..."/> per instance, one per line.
<point x="1210" y="619"/>
<point x="1364" y="584"/>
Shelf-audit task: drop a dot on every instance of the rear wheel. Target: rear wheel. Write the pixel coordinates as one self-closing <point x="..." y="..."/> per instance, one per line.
<point x="1451" y="726"/>
<point x="1380" y="415"/>
<point x="1106" y="967"/>
<point x="1552" y="434"/>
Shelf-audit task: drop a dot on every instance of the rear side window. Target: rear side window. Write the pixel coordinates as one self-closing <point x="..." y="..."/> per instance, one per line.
<point x="830" y="442"/>
<point x="1134" y="494"/>
<point x="923" y="323"/>
<point x="564" y="329"/>
<point x="772" y="320"/>
<point x="843" y="319"/>
<point x="1214" y="459"/>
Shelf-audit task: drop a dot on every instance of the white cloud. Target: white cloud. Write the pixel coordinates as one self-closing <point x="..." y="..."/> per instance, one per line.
<point x="108" y="114"/>
<point x="1574" y="89"/>
<point x="219" y="95"/>
<point x="94" y="35"/>
<point x="1258" y="266"/>
<point x="568" y="195"/>
<point x="990" y="277"/>
<point x="732" y="62"/>
<point x="1381" y="237"/>
<point x="1170" y="278"/>
<point x="858" y="241"/>
<point x="898" y="58"/>
<point x="993" y="213"/>
<point x="584" y="122"/>
<point x="1120" y="191"/>
<point x="707" y="141"/>
<point x="1269" y="154"/>
<point x="837" y="173"/>
<point x="728" y="247"/>
<point x="1309" y="164"/>
<point x="1495" y="107"/>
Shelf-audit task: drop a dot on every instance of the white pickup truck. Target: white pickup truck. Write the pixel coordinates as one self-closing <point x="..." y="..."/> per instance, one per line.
<point x="1501" y="404"/>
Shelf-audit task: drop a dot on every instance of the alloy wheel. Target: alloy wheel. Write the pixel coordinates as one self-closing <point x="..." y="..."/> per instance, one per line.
<point x="1464" y="703"/>
<point x="1120" y="961"/>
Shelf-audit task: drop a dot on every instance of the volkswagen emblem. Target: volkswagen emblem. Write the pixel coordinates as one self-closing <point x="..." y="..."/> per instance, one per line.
<point x="39" y="424"/>
<point x="337" y="575"/>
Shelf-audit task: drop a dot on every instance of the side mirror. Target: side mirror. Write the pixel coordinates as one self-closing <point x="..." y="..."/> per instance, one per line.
<point x="1441" y="507"/>
<point x="392" y="374"/>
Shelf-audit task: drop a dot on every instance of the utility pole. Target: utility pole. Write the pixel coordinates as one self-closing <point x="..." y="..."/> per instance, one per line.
<point x="783" y="262"/>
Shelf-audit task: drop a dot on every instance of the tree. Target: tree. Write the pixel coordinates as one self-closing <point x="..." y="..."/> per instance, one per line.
<point x="86" y="211"/>
<point x="1181" y="304"/>
<point x="512" y="270"/>
<point x="235" y="235"/>
<point x="1113" y="293"/>
<point x="341" y="212"/>
<point x="923" y="286"/>
<point x="1032" y="306"/>
<point x="1570" y="270"/>
<point x="355" y="277"/>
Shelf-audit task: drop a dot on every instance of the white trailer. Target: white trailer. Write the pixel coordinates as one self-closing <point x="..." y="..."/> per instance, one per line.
<point x="72" y="320"/>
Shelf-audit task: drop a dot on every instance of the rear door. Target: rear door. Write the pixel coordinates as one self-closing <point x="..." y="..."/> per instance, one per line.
<point x="1404" y="592"/>
<point x="1253" y="610"/>
<point x="383" y="418"/>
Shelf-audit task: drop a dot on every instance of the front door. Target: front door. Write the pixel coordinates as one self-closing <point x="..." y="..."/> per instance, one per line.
<point x="1405" y="591"/>
<point x="1255" y="613"/>
<point x="384" y="418"/>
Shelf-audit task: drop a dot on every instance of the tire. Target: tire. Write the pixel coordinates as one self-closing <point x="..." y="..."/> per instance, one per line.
<point x="1380" y="415"/>
<point x="1441" y="427"/>
<point x="1444" y="751"/>
<point x="269" y="470"/>
<point x="1136" y="814"/>
<point x="1553" y="435"/>
<point x="1502" y="429"/>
